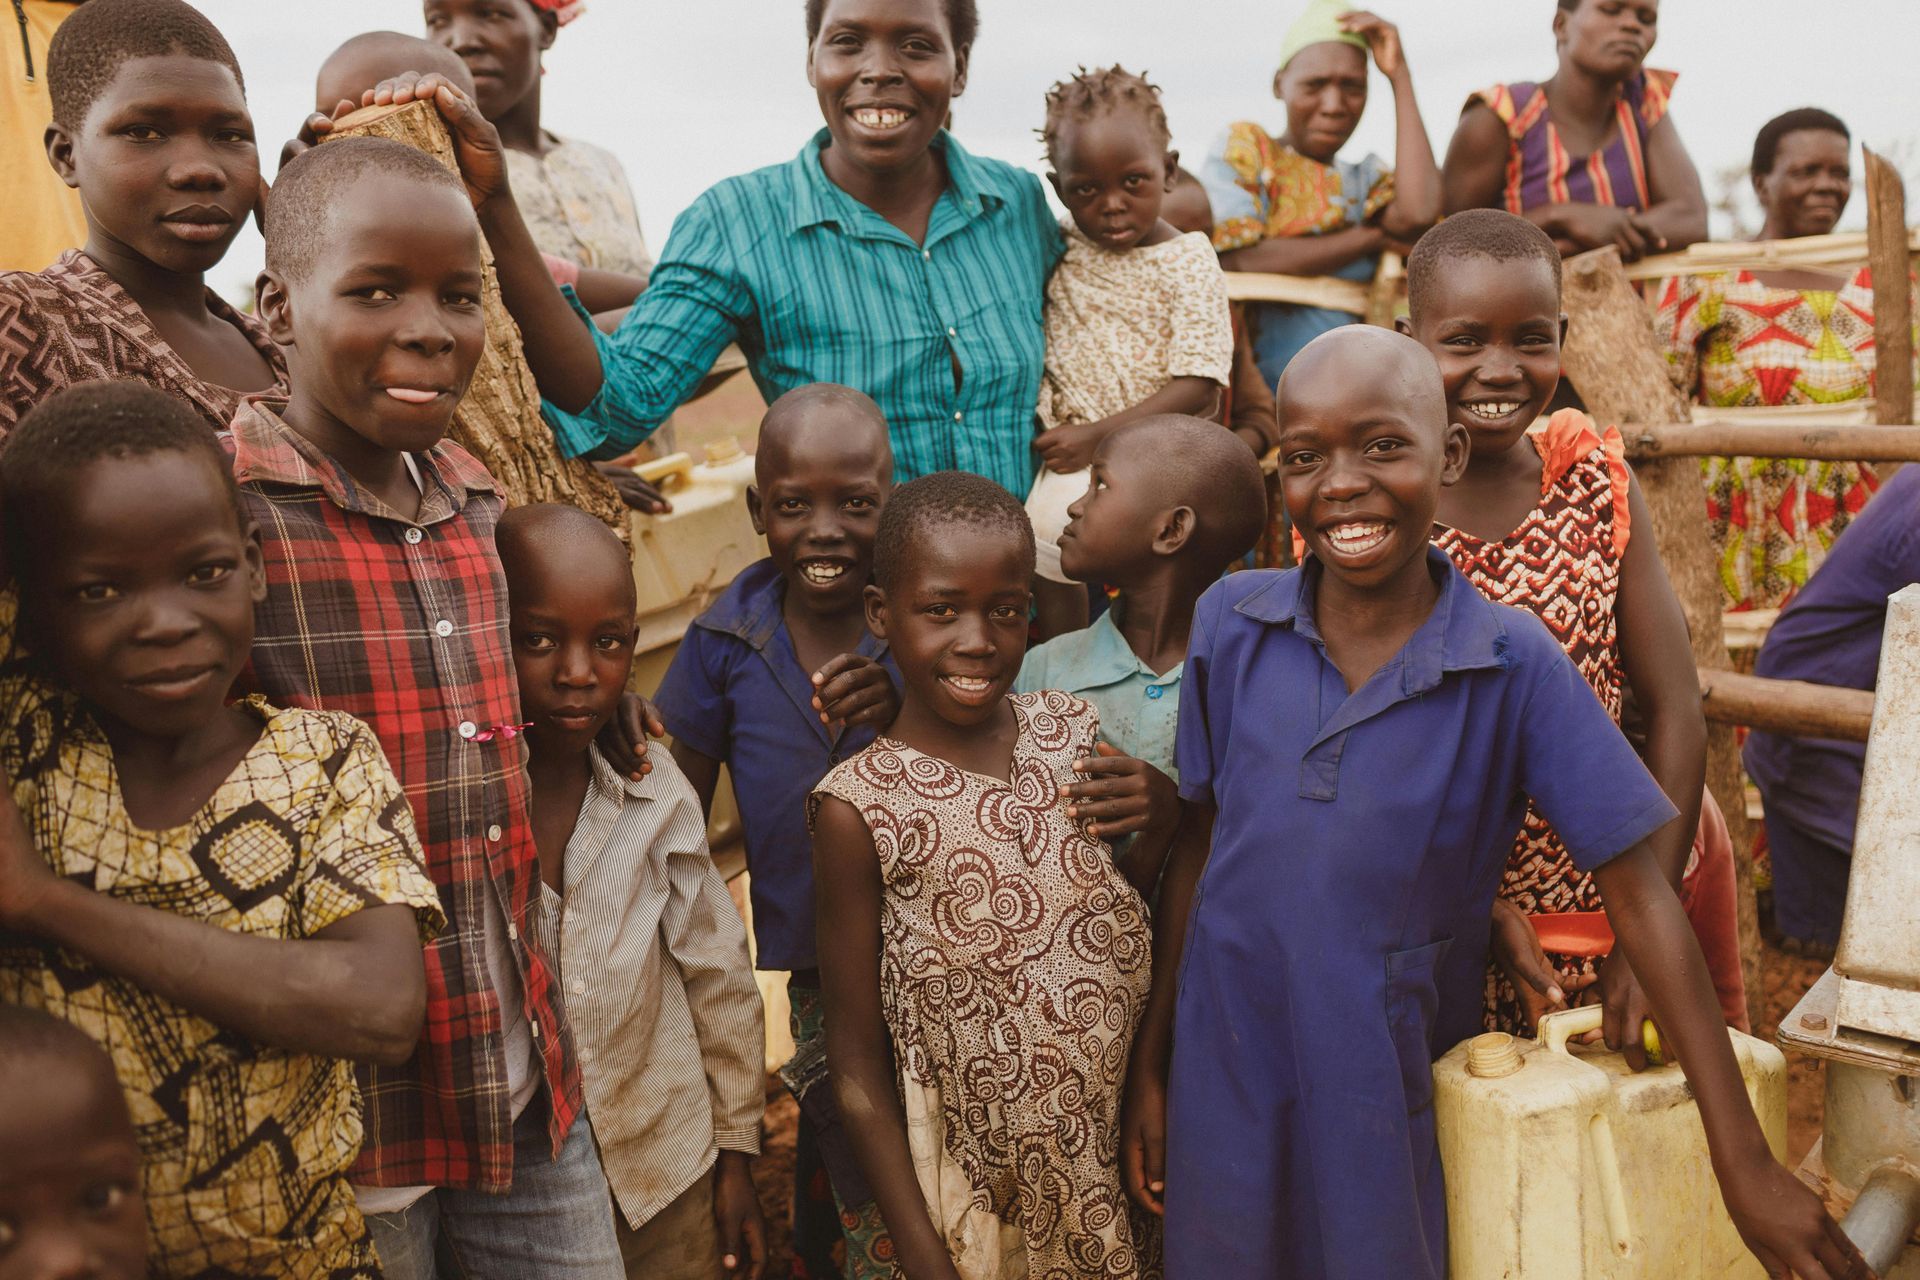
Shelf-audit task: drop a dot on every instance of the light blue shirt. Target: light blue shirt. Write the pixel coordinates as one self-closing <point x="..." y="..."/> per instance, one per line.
<point x="1139" y="710"/>
<point x="817" y="287"/>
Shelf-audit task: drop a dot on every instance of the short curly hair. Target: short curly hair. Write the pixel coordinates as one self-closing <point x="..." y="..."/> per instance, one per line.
<point x="1476" y="233"/>
<point x="963" y="20"/>
<point x="919" y="509"/>
<point x="90" y="47"/>
<point x="1766" y="143"/>
<point x="1088" y="95"/>
<point x="310" y="185"/>
<point x="78" y="426"/>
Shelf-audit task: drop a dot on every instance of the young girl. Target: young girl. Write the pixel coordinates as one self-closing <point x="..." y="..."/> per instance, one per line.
<point x="971" y="914"/>
<point x="1548" y="517"/>
<point x="1137" y="320"/>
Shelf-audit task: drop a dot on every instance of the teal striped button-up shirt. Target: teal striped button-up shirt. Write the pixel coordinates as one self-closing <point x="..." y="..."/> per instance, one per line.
<point x="817" y="287"/>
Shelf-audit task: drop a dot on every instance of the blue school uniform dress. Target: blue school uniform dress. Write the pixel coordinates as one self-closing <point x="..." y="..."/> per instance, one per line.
<point x="1338" y="941"/>
<point x="736" y="692"/>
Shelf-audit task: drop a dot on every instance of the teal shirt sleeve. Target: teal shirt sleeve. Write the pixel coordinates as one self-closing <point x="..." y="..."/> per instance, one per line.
<point x="696" y="303"/>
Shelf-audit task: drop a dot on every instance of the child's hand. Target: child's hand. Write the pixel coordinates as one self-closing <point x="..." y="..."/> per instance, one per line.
<point x="1121" y="795"/>
<point x="1382" y="37"/>
<point x="1069" y="448"/>
<point x="854" y="689"/>
<point x="1783" y="1222"/>
<point x="736" y="1216"/>
<point x="1143" y="1138"/>
<point x="636" y="493"/>
<point x="1627" y="1009"/>
<point x="1516" y="949"/>
<point x="25" y="877"/>
<point x="624" y="741"/>
<point x="476" y="143"/>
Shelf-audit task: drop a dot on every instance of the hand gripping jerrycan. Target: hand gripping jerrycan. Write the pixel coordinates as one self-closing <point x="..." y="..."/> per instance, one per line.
<point x="1562" y="1164"/>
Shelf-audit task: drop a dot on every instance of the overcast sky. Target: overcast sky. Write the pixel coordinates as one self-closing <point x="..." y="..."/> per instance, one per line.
<point x="689" y="92"/>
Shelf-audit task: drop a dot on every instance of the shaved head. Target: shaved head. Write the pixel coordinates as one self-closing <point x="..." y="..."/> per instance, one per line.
<point x="1390" y="363"/>
<point x="549" y="540"/>
<point x="373" y="56"/>
<point x="822" y="417"/>
<point x="1202" y="465"/>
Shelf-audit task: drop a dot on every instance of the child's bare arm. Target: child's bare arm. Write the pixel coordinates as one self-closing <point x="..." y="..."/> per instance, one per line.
<point x="1071" y="447"/>
<point x="1143" y="1121"/>
<point x="1120" y="796"/>
<point x="1780" y="1219"/>
<point x="847" y="889"/>
<point x="1307" y="255"/>
<point x="702" y="770"/>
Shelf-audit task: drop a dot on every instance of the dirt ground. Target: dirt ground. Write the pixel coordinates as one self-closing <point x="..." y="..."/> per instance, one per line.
<point x="1784" y="979"/>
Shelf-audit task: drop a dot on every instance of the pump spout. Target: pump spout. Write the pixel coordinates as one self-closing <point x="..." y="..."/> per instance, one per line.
<point x="1884" y="1215"/>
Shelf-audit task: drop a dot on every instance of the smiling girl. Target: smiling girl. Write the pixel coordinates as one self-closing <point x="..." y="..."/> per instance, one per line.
<point x="983" y="959"/>
<point x="150" y="125"/>
<point x="1137" y="321"/>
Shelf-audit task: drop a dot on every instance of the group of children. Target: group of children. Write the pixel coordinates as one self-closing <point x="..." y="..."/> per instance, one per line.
<point x="413" y="960"/>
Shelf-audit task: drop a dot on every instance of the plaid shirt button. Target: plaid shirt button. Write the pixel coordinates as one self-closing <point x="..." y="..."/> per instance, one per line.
<point x="443" y="628"/>
<point x="468" y="728"/>
<point x="414" y="536"/>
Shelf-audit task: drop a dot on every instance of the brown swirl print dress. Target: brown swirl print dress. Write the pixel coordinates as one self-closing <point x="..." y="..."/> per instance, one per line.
<point x="1015" y="961"/>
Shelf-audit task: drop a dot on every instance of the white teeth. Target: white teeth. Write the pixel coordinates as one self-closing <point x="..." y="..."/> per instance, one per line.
<point x="874" y="118"/>
<point x="1352" y="539"/>
<point x="1499" y="410"/>
<point x="970" y="684"/>
<point x="820" y="571"/>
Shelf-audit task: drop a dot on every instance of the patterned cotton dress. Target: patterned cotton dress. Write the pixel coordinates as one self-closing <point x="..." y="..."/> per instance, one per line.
<point x="1561" y="564"/>
<point x="1734" y="341"/>
<point x="1015" y="962"/>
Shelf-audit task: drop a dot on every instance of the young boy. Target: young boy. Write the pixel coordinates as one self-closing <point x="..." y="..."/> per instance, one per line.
<point x="1360" y="739"/>
<point x="1173" y="502"/>
<point x="228" y="897"/>
<point x="780" y="681"/>
<point x="386" y="600"/>
<point x="70" y="1185"/>
<point x="648" y="943"/>
<point x="150" y="124"/>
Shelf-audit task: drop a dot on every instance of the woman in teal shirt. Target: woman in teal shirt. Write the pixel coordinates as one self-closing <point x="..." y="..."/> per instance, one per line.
<point x="884" y="257"/>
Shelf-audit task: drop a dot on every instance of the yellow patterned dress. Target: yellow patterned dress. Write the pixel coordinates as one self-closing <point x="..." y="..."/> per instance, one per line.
<point x="246" y="1148"/>
<point x="1015" y="961"/>
<point x="1732" y="341"/>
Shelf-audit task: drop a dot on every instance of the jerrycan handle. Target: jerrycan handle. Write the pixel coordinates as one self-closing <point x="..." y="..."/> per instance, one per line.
<point x="669" y="473"/>
<point x="1562" y="1025"/>
<point x="1554" y="1031"/>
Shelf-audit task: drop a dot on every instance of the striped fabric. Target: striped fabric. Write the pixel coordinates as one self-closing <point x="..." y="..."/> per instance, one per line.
<point x="403" y="623"/>
<point x="1540" y="171"/>
<point x="816" y="287"/>
<point x="665" y="1012"/>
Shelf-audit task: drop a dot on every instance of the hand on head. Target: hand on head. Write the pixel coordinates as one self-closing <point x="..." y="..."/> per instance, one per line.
<point x="476" y="143"/>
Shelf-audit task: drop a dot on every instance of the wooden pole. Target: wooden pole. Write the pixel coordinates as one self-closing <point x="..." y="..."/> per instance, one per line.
<point x="1389" y="286"/>
<point x="499" y="422"/>
<point x="1888" y="255"/>
<point x="1900" y="443"/>
<point x="1790" y="707"/>
<point x="1610" y="355"/>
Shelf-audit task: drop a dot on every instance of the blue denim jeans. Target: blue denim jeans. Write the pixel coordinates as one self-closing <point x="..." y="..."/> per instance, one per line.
<point x="556" y="1223"/>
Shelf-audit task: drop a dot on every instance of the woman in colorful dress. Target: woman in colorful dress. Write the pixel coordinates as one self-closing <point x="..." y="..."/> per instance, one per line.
<point x="1590" y="156"/>
<point x="1290" y="205"/>
<point x="1747" y="338"/>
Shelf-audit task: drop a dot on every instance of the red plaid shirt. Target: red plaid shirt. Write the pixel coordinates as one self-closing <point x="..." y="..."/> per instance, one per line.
<point x="404" y="624"/>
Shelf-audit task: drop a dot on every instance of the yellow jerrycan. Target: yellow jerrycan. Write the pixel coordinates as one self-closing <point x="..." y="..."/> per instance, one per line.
<point x="1562" y="1164"/>
<point x="683" y="560"/>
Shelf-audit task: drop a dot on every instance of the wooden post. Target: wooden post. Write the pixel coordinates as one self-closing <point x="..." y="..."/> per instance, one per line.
<point x="1610" y="355"/>
<point x="1869" y="443"/>
<point x="1793" y="708"/>
<point x="1389" y="286"/>
<point x="499" y="422"/>
<point x="1887" y="255"/>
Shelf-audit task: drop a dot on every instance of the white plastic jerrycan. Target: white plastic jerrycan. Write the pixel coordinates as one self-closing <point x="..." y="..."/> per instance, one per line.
<point x="1562" y="1164"/>
<point x="683" y="560"/>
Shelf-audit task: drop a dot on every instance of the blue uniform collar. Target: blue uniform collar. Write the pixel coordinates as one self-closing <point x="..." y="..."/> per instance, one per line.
<point x="816" y="200"/>
<point x="751" y="610"/>
<point x="1463" y="633"/>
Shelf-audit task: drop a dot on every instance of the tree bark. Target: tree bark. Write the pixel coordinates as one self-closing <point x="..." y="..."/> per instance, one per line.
<point x="1887" y="254"/>
<point x="1795" y="708"/>
<point x="1899" y="443"/>
<point x="499" y="421"/>
<point x="1611" y="355"/>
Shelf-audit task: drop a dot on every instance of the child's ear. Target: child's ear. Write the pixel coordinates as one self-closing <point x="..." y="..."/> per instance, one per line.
<point x="1053" y="180"/>
<point x="1173" y="170"/>
<point x="1458" y="447"/>
<point x="60" y="155"/>
<point x="754" y="512"/>
<point x="1563" y="328"/>
<point x="256" y="563"/>
<point x="274" y="306"/>
<point x="876" y="604"/>
<point x="1174" y="530"/>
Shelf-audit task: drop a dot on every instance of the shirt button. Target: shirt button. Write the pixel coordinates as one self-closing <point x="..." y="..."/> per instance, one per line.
<point x="959" y="416"/>
<point x="586" y="1054"/>
<point x="1156" y="692"/>
<point x="414" y="535"/>
<point x="578" y="987"/>
<point x="494" y="833"/>
<point x="443" y="628"/>
<point x="927" y="254"/>
<point x="513" y="931"/>
<point x="468" y="728"/>
<point x="952" y="332"/>
<point x="534" y="1025"/>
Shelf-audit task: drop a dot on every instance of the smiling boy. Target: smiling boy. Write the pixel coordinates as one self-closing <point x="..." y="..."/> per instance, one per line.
<point x="386" y="599"/>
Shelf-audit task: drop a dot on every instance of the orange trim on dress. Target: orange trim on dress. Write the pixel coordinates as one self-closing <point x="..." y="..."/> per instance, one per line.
<point x="1570" y="436"/>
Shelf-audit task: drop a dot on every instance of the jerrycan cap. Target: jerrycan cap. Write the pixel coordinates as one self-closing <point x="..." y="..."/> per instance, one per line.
<point x="722" y="451"/>
<point x="1493" y="1054"/>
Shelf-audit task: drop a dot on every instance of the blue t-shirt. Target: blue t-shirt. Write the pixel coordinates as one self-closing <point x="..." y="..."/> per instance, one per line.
<point x="1138" y="707"/>
<point x="1338" y="941"/>
<point x="736" y="692"/>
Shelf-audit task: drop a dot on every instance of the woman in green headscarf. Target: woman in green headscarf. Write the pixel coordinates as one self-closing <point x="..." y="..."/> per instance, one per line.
<point x="1290" y="205"/>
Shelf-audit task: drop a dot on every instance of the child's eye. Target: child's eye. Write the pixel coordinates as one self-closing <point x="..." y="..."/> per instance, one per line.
<point x="1006" y="613"/>
<point x="103" y="1197"/>
<point x="208" y="574"/>
<point x="1384" y="446"/>
<point x="1302" y="459"/>
<point x="464" y="299"/>
<point x="941" y="611"/>
<point x="790" y="506"/>
<point x="610" y="644"/>
<point x="7" y="1232"/>
<point x="860" y="504"/>
<point x="536" y="643"/>
<point x="1135" y="182"/>
<point x="234" y="136"/>
<point x="374" y="293"/>
<point x="140" y="132"/>
<point x="97" y="593"/>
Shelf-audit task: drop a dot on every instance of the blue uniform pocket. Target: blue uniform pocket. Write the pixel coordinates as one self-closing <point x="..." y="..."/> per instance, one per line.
<point x="1413" y="1000"/>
